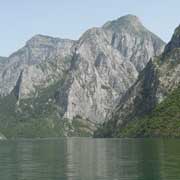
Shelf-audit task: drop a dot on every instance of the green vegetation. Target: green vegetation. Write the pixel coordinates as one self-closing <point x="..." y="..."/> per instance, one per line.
<point x="38" y="117"/>
<point x="105" y="130"/>
<point x="81" y="127"/>
<point x="164" y="120"/>
<point x="33" y="117"/>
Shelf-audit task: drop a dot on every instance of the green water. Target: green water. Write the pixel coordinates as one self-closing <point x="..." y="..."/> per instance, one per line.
<point x="90" y="159"/>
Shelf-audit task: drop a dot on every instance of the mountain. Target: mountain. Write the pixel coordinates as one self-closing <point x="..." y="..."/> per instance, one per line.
<point x="54" y="83"/>
<point x="151" y="106"/>
<point x="104" y="67"/>
<point x="133" y="40"/>
<point x="27" y="65"/>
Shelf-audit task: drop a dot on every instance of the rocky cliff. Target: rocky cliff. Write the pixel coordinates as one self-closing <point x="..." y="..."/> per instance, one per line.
<point x="105" y="64"/>
<point x="82" y="78"/>
<point x="156" y="82"/>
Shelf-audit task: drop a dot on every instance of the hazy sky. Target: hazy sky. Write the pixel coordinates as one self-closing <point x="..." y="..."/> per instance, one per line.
<point x="21" y="19"/>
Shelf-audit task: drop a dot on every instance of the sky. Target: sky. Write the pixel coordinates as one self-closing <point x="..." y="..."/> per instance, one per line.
<point x="21" y="19"/>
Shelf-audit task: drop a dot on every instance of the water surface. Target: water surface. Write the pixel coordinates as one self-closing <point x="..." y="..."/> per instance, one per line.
<point x="90" y="159"/>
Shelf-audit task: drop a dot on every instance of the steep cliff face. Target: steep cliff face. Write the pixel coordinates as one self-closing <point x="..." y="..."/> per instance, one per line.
<point x="160" y="77"/>
<point x="99" y="76"/>
<point x="106" y="63"/>
<point x="133" y="40"/>
<point x="36" y="64"/>
<point x="85" y="77"/>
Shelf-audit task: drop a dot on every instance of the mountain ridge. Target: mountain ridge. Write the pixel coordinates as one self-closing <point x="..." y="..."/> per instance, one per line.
<point x="83" y="78"/>
<point x="137" y="112"/>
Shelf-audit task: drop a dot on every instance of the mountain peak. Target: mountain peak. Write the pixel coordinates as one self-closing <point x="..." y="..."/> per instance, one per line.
<point x="130" y="18"/>
<point x="41" y="39"/>
<point x="175" y="41"/>
<point x="127" y="22"/>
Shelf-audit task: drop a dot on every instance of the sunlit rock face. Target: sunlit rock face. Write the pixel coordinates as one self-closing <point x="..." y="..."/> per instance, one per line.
<point x="36" y="64"/>
<point x="106" y="63"/>
<point x="133" y="40"/>
<point x="94" y="72"/>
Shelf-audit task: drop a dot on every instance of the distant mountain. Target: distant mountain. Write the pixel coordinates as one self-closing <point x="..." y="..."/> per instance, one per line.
<point x="151" y="106"/>
<point x="72" y="85"/>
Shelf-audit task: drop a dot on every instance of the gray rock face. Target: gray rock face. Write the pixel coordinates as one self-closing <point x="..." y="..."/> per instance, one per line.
<point x="99" y="75"/>
<point x="96" y="70"/>
<point x="36" y="64"/>
<point x="106" y="63"/>
<point x="133" y="40"/>
<point x="2" y="62"/>
<point x="160" y="77"/>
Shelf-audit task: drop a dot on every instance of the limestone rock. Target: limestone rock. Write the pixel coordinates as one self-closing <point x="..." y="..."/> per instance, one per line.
<point x="95" y="71"/>
<point x="160" y="77"/>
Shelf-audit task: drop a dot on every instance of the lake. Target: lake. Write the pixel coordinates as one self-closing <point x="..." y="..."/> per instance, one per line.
<point x="90" y="159"/>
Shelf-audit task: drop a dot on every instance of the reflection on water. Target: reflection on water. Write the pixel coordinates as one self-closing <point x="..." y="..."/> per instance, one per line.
<point x="90" y="159"/>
